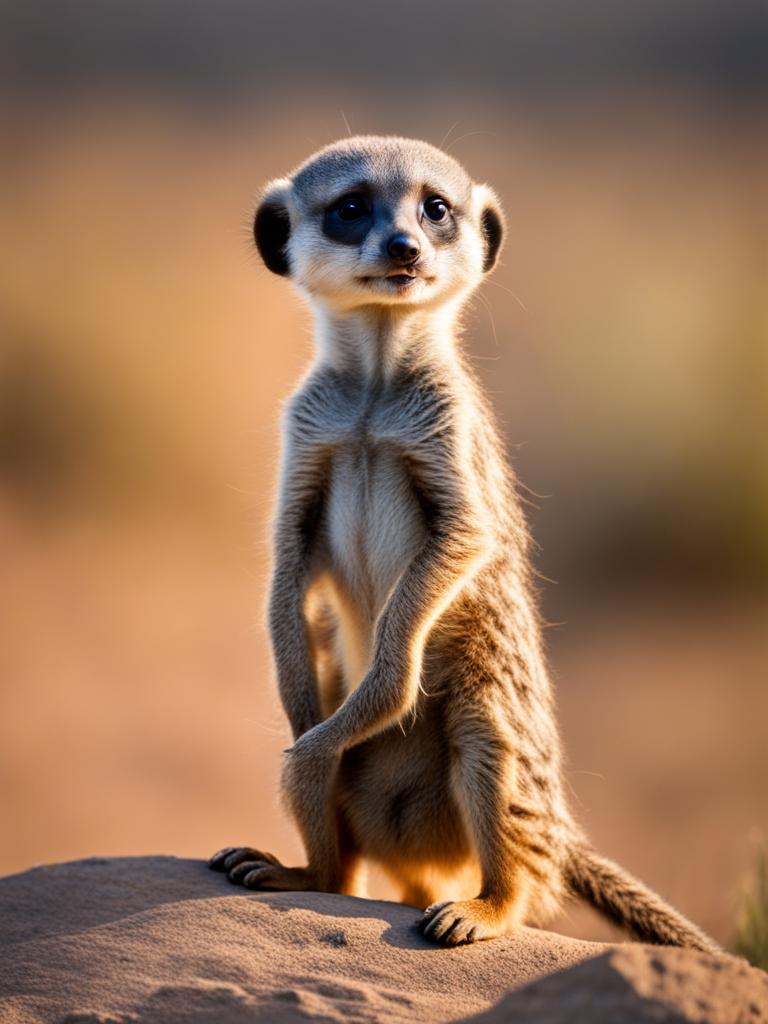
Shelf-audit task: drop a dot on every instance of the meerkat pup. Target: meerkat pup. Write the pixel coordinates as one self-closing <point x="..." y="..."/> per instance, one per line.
<point x="405" y="635"/>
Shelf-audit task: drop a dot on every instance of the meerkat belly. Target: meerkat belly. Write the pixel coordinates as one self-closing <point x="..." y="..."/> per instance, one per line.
<point x="396" y="794"/>
<point x="375" y="529"/>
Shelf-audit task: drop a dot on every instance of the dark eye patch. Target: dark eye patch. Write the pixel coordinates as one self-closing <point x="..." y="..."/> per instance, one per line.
<point x="348" y="220"/>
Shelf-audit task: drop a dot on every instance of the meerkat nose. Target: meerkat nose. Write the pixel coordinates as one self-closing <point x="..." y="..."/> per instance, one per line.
<point x="403" y="248"/>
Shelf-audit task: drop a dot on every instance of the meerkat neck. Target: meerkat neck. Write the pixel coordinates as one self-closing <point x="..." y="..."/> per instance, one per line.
<point x="375" y="341"/>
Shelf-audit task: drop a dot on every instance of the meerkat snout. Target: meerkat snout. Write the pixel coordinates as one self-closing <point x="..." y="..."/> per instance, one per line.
<point x="379" y="221"/>
<point x="403" y="249"/>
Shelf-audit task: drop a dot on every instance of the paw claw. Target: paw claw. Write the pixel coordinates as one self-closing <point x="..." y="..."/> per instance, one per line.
<point x="216" y="862"/>
<point x="430" y="914"/>
<point x="456" y="924"/>
<point x="257" y="877"/>
<point x="446" y="935"/>
<point x="237" y="874"/>
<point x="235" y="858"/>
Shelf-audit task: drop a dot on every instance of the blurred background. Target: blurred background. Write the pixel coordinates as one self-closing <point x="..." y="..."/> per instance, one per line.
<point x="144" y="354"/>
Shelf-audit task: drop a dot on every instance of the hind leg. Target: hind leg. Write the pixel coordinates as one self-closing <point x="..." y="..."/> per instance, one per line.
<point x="255" y="869"/>
<point x="413" y="884"/>
<point x="414" y="894"/>
<point x="509" y="870"/>
<point x="308" y="785"/>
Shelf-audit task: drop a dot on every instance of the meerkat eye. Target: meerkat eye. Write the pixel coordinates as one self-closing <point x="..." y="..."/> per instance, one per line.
<point x="436" y="208"/>
<point x="352" y="207"/>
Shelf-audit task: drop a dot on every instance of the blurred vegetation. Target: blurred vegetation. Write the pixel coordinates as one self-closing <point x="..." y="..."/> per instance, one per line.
<point x="751" y="939"/>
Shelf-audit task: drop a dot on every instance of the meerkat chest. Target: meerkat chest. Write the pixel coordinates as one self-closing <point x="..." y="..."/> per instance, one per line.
<point x="374" y="521"/>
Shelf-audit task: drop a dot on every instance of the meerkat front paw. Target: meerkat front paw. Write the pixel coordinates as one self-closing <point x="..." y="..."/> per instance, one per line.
<point x="255" y="869"/>
<point x="454" y="924"/>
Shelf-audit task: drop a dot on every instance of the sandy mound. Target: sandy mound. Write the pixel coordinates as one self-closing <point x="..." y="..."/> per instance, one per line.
<point x="157" y="939"/>
<point x="632" y="984"/>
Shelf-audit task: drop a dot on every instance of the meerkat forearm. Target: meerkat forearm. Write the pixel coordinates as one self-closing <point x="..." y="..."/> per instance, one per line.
<point x="389" y="691"/>
<point x="296" y="675"/>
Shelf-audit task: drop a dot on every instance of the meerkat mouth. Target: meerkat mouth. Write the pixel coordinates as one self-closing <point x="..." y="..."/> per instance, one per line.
<point x="401" y="279"/>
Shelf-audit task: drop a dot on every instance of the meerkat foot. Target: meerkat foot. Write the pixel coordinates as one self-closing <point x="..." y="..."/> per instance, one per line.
<point x="231" y="856"/>
<point x="454" y="924"/>
<point x="255" y="869"/>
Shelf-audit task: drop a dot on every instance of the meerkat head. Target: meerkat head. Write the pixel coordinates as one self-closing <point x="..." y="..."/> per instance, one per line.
<point x="379" y="221"/>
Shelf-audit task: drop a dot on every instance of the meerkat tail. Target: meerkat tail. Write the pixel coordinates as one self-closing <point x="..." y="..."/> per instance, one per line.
<point x="627" y="902"/>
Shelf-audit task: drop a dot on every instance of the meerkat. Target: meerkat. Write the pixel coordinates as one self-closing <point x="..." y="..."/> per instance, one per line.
<point x="405" y="633"/>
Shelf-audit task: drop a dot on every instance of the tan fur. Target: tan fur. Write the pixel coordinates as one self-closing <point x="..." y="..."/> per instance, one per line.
<point x="405" y="635"/>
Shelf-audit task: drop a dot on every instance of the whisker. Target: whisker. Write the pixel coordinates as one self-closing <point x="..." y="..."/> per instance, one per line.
<point x="525" y="487"/>
<point x="487" y="305"/>
<point x="469" y="135"/>
<point x="515" y="296"/>
<point x="448" y="134"/>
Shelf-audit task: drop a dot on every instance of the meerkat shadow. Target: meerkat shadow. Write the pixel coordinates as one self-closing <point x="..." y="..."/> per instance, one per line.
<point x="400" y="920"/>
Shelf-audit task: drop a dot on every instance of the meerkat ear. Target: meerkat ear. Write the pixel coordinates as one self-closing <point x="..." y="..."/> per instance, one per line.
<point x="491" y="225"/>
<point x="272" y="226"/>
